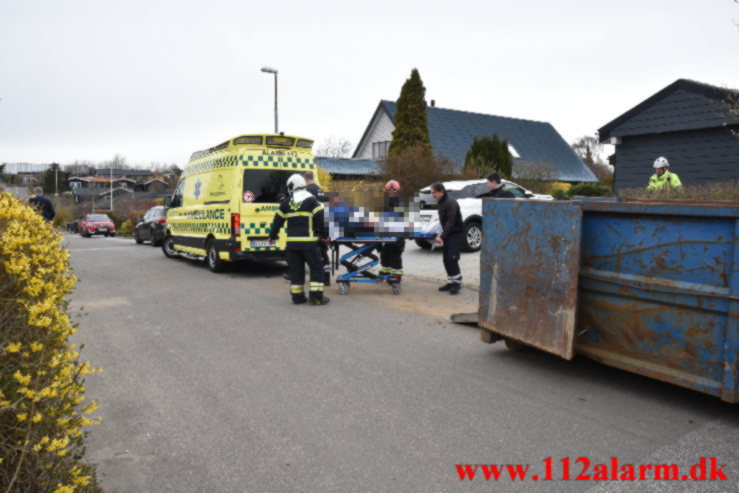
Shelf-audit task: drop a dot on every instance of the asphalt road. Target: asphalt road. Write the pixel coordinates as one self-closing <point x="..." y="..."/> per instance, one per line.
<point x="215" y="382"/>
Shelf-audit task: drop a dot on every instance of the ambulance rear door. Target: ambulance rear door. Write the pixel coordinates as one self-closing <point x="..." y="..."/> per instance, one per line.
<point x="262" y="191"/>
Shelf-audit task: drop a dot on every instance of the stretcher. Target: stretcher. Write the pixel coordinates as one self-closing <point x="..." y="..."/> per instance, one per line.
<point x="362" y="256"/>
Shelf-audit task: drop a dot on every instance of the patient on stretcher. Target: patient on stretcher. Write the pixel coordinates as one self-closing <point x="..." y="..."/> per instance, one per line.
<point x="347" y="220"/>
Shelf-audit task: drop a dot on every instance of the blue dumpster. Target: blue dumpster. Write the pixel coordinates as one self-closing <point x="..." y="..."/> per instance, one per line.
<point x="649" y="287"/>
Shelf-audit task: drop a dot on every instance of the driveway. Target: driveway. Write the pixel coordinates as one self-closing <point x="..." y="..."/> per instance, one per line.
<point x="217" y="383"/>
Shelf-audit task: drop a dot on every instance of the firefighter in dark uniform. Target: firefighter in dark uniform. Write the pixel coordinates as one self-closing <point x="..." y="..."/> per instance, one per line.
<point x="391" y="255"/>
<point x="305" y="229"/>
<point x="318" y="193"/>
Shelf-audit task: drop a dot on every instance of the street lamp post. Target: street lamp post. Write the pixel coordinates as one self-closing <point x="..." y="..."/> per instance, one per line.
<point x="271" y="70"/>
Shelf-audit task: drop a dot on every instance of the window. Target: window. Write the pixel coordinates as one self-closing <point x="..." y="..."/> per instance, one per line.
<point x="268" y="186"/>
<point x="379" y="149"/>
<point x="177" y="198"/>
<point x="280" y="141"/>
<point x="516" y="191"/>
<point x="248" y="139"/>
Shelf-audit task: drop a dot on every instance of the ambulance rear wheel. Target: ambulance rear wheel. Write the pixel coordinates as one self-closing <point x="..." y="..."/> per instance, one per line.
<point x="168" y="247"/>
<point x="215" y="264"/>
<point x="343" y="288"/>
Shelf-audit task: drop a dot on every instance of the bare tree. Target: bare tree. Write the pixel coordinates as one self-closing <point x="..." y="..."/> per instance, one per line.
<point x="118" y="162"/>
<point x="79" y="168"/>
<point x="590" y="150"/>
<point x="334" y="147"/>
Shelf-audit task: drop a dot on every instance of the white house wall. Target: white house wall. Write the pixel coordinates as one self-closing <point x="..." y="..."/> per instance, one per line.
<point x="381" y="130"/>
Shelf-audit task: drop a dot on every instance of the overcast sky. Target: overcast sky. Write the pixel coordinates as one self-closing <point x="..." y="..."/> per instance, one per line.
<point x="156" y="80"/>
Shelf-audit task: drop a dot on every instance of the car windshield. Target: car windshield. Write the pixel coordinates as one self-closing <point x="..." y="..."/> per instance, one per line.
<point x="98" y="218"/>
<point x="266" y="185"/>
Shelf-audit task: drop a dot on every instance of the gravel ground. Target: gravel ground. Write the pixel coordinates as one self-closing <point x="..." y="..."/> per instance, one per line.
<point x="428" y="265"/>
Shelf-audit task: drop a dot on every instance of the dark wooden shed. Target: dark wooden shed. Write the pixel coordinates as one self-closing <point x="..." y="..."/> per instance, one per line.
<point x="692" y="124"/>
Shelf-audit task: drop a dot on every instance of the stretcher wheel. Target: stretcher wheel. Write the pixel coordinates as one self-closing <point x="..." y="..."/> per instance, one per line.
<point x="396" y="288"/>
<point x="343" y="287"/>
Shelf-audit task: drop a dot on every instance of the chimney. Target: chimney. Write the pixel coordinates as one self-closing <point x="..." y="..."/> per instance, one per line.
<point x="433" y="103"/>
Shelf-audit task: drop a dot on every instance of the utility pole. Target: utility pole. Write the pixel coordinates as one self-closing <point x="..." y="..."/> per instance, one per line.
<point x="56" y="183"/>
<point x="111" y="189"/>
<point x="273" y="71"/>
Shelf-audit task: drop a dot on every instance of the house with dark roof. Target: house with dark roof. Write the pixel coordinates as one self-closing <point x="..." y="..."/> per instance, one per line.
<point x="451" y="133"/>
<point x="133" y="183"/>
<point x="348" y="168"/>
<point x="688" y="122"/>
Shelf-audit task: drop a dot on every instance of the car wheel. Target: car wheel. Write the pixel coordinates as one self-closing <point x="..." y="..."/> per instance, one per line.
<point x="215" y="264"/>
<point x="472" y="237"/>
<point x="136" y="237"/>
<point x="153" y="236"/>
<point x="107" y="234"/>
<point x="425" y="244"/>
<point x="168" y="247"/>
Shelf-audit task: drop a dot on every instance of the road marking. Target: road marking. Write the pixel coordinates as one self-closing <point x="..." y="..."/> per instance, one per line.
<point x="99" y="248"/>
<point x="104" y="303"/>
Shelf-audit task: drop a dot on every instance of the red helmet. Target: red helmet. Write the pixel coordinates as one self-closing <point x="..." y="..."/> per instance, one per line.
<point x="392" y="186"/>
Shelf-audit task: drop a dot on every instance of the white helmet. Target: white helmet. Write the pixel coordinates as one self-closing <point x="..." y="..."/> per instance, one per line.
<point x="295" y="182"/>
<point x="661" y="162"/>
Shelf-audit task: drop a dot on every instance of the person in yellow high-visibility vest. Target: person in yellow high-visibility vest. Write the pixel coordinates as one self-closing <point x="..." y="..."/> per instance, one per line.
<point x="662" y="176"/>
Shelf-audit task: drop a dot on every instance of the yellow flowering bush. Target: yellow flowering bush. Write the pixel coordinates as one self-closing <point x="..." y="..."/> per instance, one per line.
<point x="324" y="178"/>
<point x="42" y="416"/>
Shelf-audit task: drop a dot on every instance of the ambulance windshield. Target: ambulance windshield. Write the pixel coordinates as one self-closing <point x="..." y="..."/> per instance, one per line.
<point x="266" y="185"/>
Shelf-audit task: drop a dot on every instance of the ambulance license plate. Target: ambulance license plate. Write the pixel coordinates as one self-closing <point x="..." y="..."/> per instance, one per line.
<point x="260" y="243"/>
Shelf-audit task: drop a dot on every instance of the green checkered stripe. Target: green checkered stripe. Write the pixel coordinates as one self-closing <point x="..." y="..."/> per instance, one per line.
<point x="222" y="162"/>
<point x="288" y="162"/>
<point x="255" y="229"/>
<point x="200" y="227"/>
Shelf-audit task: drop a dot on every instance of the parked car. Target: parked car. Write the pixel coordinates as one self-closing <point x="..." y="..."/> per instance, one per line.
<point x="73" y="225"/>
<point x="96" y="224"/>
<point x="151" y="226"/>
<point x="466" y="192"/>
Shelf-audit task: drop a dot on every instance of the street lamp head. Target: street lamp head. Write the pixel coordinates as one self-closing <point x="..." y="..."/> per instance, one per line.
<point x="269" y="70"/>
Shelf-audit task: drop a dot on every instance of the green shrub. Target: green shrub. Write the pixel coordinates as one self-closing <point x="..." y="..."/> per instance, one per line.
<point x="126" y="229"/>
<point x="63" y="216"/>
<point x="42" y="419"/>
<point x="560" y="194"/>
<point x="589" y="190"/>
<point x="718" y="190"/>
<point x="117" y="219"/>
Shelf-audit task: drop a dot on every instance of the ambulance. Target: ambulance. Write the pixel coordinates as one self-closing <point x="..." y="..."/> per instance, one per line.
<point x="227" y="197"/>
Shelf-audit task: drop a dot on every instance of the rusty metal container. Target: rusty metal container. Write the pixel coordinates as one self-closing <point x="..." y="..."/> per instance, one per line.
<point x="648" y="287"/>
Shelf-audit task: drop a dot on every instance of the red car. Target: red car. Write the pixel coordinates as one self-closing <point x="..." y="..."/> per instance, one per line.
<point x="96" y="224"/>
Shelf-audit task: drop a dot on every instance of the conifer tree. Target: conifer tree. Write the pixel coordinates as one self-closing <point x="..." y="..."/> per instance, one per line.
<point x="411" y="124"/>
<point x="488" y="154"/>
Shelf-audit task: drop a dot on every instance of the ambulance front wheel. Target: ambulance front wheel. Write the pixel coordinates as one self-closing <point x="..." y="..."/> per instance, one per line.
<point x="168" y="247"/>
<point x="215" y="264"/>
<point x="343" y="287"/>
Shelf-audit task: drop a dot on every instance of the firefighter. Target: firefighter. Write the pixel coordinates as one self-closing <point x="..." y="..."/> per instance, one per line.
<point x="391" y="255"/>
<point x="318" y="193"/>
<point x="305" y="230"/>
<point x="662" y="176"/>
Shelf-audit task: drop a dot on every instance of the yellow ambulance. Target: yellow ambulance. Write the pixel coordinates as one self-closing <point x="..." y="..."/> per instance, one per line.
<point x="227" y="196"/>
